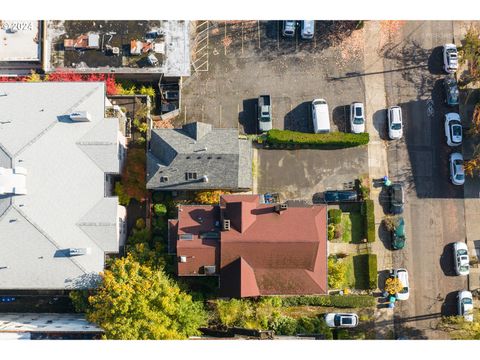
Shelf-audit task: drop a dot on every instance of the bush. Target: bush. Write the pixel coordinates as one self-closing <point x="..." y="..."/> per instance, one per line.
<point x="331" y="231"/>
<point x="332" y="140"/>
<point x="209" y="197"/>
<point x="314" y="325"/>
<point x="335" y="216"/>
<point x="160" y="209"/>
<point x="336" y="273"/>
<point x="368" y="212"/>
<point x="123" y="197"/>
<point x="338" y="231"/>
<point x="339" y="301"/>
<point x="140" y="223"/>
<point x="284" y="325"/>
<point x="372" y="271"/>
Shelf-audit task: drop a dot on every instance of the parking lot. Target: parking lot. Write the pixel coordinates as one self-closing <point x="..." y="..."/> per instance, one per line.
<point x="250" y="58"/>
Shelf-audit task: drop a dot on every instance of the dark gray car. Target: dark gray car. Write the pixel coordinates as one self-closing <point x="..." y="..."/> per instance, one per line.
<point x="451" y="91"/>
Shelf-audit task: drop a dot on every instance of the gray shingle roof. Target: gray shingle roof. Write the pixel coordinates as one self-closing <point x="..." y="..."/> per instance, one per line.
<point x="198" y="149"/>
<point x="65" y="205"/>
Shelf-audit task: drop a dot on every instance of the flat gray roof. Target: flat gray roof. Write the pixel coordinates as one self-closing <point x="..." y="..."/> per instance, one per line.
<point x="19" y="40"/>
<point x="65" y="205"/>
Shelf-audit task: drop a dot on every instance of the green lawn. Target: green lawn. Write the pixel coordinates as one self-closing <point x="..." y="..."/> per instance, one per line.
<point x="356" y="273"/>
<point x="352" y="225"/>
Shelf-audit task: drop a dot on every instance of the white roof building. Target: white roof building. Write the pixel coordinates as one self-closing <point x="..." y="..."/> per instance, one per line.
<point x="56" y="218"/>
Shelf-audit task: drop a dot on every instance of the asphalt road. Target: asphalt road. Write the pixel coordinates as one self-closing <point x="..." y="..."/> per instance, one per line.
<point x="434" y="211"/>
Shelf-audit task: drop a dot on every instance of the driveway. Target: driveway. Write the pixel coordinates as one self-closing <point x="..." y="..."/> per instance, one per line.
<point x="434" y="211"/>
<point x="299" y="174"/>
<point x="250" y="58"/>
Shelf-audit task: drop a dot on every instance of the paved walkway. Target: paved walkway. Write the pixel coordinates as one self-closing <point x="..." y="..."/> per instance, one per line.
<point x="375" y="105"/>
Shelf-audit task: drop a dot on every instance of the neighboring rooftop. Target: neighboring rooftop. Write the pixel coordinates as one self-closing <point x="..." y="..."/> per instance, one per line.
<point x="265" y="249"/>
<point x="56" y="222"/>
<point x="146" y="46"/>
<point x="197" y="157"/>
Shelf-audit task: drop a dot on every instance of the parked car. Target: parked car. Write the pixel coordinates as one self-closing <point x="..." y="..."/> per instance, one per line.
<point x="453" y="129"/>
<point x="395" y="122"/>
<point x="450" y="58"/>
<point x="465" y="304"/>
<point x="288" y="29"/>
<point x="460" y="257"/>
<point x="457" y="171"/>
<point x="402" y="275"/>
<point x="398" y="235"/>
<point x="264" y="116"/>
<point x="307" y="29"/>
<point x="451" y="91"/>
<point x="397" y="198"/>
<point x="336" y="196"/>
<point x="341" y="320"/>
<point x="357" y="118"/>
<point x="320" y="116"/>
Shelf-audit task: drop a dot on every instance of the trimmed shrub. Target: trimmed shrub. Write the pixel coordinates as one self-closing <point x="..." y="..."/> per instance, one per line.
<point x="331" y="231"/>
<point x="335" y="216"/>
<point x="332" y="140"/>
<point x="369" y="214"/>
<point x="372" y="271"/>
<point x="284" y="325"/>
<point x="314" y="325"/>
<point x="160" y="209"/>
<point x="340" y="301"/>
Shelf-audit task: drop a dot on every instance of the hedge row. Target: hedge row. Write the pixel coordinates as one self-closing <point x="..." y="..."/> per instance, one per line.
<point x="340" y="301"/>
<point x="372" y="271"/>
<point x="369" y="216"/>
<point x="333" y="140"/>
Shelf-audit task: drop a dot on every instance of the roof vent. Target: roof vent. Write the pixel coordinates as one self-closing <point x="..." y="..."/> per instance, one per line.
<point x="80" y="116"/>
<point x="183" y="259"/>
<point x="205" y="178"/>
<point x="226" y="225"/>
<point x="281" y="207"/>
<point x="209" y="270"/>
<point x="78" y="251"/>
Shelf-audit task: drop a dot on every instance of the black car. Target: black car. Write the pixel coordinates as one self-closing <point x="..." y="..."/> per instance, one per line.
<point x="397" y="198"/>
<point x="451" y="91"/>
<point x="336" y="196"/>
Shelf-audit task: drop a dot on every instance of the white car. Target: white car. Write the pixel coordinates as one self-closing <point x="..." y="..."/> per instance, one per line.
<point x="357" y="118"/>
<point x="450" y="58"/>
<point x="453" y="129"/>
<point x="465" y="305"/>
<point x="457" y="171"/>
<point x="402" y="275"/>
<point x="395" y="123"/>
<point x="460" y="257"/>
<point x="338" y="320"/>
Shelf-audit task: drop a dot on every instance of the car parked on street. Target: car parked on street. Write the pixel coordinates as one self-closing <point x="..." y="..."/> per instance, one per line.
<point x="453" y="129"/>
<point x="460" y="257"/>
<point x="465" y="304"/>
<point x="307" y="29"/>
<point x="398" y="235"/>
<point x="341" y="320"/>
<point x="288" y="28"/>
<point x="450" y="58"/>
<point x="402" y="275"/>
<point x="457" y="171"/>
<point x="396" y="196"/>
<point x="336" y="196"/>
<point x="357" y="118"/>
<point x="395" y="122"/>
<point x="451" y="91"/>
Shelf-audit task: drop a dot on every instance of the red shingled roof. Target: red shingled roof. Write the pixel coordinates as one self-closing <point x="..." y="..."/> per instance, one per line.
<point x="264" y="252"/>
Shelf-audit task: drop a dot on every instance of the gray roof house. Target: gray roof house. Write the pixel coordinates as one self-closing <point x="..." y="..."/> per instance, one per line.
<point x="57" y="155"/>
<point x="198" y="157"/>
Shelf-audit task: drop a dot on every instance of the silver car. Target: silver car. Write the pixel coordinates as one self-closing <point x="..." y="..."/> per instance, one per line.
<point x="288" y="29"/>
<point x="357" y="118"/>
<point x="395" y="123"/>
<point x="450" y="58"/>
<point x="465" y="305"/>
<point x="460" y="257"/>
<point x="402" y="275"/>
<point x="453" y="129"/>
<point x="341" y="320"/>
<point x="457" y="171"/>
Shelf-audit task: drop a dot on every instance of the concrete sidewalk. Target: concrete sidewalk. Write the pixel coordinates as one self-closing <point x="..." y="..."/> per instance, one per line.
<point x="375" y="105"/>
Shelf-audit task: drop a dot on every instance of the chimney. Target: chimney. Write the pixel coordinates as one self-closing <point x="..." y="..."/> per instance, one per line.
<point x="280" y="207"/>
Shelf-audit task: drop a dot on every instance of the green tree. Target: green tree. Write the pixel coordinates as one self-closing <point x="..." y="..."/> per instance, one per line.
<point x="135" y="302"/>
<point x="160" y="209"/>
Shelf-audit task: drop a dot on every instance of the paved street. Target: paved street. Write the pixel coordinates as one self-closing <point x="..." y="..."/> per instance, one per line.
<point x="434" y="213"/>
